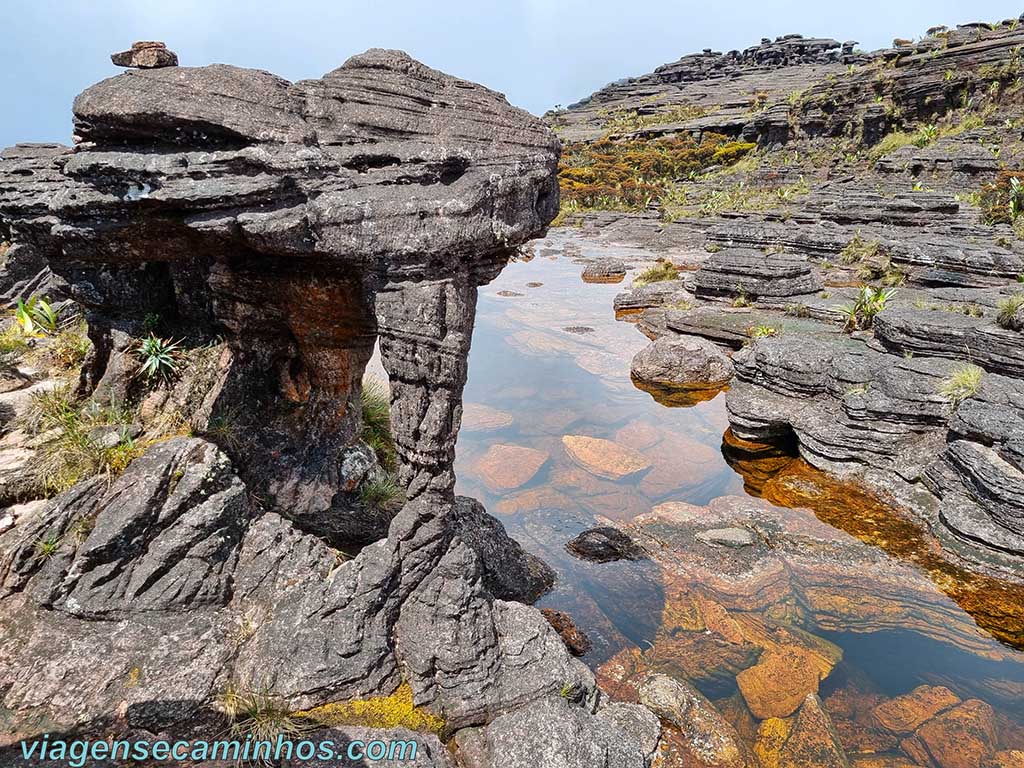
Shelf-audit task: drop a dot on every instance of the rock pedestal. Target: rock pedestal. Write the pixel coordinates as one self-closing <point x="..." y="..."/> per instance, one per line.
<point x="301" y="223"/>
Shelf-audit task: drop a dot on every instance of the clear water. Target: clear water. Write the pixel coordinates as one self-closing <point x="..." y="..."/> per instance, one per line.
<point x="555" y="360"/>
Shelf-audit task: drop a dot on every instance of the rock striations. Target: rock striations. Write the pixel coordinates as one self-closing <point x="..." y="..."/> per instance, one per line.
<point x="301" y="223"/>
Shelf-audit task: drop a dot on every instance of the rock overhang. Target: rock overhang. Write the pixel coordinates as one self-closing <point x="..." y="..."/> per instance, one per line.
<point x="300" y="222"/>
<point x="382" y="162"/>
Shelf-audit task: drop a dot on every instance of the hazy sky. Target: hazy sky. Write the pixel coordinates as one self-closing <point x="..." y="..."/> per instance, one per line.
<point x="537" y="52"/>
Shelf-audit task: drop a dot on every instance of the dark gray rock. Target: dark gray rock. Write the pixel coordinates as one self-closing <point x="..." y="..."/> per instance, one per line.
<point x="556" y="732"/>
<point x="687" y="362"/>
<point x="638" y="297"/>
<point x="741" y="272"/>
<point x="604" y="545"/>
<point x="509" y="572"/>
<point x="604" y="271"/>
<point x="190" y="195"/>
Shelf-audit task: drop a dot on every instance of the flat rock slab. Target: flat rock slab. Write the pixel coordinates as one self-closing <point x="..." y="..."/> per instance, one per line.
<point x="726" y="537"/>
<point x="477" y="417"/>
<point x="507" y="467"/>
<point x="605" y="458"/>
<point x="906" y="713"/>
<point x="780" y="681"/>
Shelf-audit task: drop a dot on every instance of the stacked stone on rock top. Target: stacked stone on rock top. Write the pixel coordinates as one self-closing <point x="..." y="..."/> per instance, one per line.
<point x="145" y="54"/>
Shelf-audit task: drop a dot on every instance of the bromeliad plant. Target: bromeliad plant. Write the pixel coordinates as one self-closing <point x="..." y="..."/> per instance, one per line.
<point x="860" y="315"/>
<point x="161" y="358"/>
<point x="36" y="317"/>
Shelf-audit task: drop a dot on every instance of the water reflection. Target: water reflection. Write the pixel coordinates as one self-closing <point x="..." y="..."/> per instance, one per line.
<point x="807" y="600"/>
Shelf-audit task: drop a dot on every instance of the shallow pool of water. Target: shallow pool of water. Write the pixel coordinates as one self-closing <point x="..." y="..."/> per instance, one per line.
<point x="550" y="360"/>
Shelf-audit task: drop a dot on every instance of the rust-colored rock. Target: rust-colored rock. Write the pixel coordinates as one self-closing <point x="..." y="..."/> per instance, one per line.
<point x="1010" y="758"/>
<point x="605" y="458"/>
<point x="711" y="741"/>
<point x="962" y="737"/>
<point x="781" y="680"/>
<point x="813" y="742"/>
<point x="507" y="467"/>
<point x="477" y="417"/>
<point x="905" y="713"/>
<point x="771" y="738"/>
<point x="574" y="638"/>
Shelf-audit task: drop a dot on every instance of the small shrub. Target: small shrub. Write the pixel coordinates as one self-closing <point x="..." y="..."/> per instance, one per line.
<point x="1009" y="312"/>
<point x="797" y="310"/>
<point x="36" y="317"/>
<point x="963" y="383"/>
<point x="663" y="270"/>
<point x="860" y="315"/>
<point x="1002" y="201"/>
<point x="47" y="546"/>
<point x="741" y="300"/>
<point x="161" y="358"/>
<point x="222" y="430"/>
<point x="259" y="716"/>
<point x="859" y="249"/>
<point x="764" y="331"/>
<point x="13" y="343"/>
<point x="926" y="134"/>
<point x="70" y="455"/>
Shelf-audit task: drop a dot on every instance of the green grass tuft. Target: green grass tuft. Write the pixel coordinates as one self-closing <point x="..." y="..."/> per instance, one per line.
<point x="663" y="270"/>
<point x="962" y="384"/>
<point x="375" y="400"/>
<point x="1009" y="312"/>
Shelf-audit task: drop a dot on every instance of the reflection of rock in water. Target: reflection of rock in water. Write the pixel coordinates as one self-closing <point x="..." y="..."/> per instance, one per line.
<point x="676" y="397"/>
<point x="757" y="463"/>
<point x="997" y="606"/>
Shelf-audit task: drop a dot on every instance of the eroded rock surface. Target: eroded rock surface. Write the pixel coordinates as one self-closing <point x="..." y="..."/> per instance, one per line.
<point x="302" y="223"/>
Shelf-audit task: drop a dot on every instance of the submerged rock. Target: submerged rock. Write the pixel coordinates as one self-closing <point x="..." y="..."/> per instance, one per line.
<point x="905" y="713"/>
<point x="813" y="742"/>
<point x="605" y="458"/>
<point x="604" y="545"/>
<point x="507" y="467"/>
<point x="709" y="738"/>
<point x="575" y="639"/>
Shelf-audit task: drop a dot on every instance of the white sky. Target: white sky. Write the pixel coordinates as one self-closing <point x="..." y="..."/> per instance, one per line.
<point x="538" y="52"/>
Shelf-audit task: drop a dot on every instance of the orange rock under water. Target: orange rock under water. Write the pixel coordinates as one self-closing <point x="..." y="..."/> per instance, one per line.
<point x="507" y="467"/>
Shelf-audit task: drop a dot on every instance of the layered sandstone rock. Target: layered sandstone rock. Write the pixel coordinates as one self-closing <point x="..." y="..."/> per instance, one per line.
<point x="302" y="223"/>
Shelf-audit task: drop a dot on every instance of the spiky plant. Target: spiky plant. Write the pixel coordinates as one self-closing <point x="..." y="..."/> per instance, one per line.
<point x="161" y="358"/>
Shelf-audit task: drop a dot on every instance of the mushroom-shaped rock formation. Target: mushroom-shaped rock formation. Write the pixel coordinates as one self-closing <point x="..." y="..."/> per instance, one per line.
<point x="301" y="222"/>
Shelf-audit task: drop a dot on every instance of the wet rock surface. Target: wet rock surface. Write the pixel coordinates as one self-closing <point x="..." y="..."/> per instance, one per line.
<point x="604" y="545"/>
